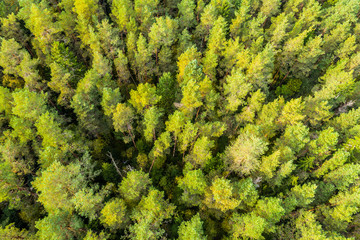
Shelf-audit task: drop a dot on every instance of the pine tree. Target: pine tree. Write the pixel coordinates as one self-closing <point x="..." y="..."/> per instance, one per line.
<point x="243" y="155"/>
<point x="191" y="229"/>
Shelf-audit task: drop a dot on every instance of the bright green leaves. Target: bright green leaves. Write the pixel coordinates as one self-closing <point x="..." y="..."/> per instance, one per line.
<point x="201" y="152"/>
<point x="29" y="105"/>
<point x="57" y="184"/>
<point x="122" y="11"/>
<point x="221" y="195"/>
<point x="193" y="184"/>
<point x="247" y="226"/>
<point x="110" y="99"/>
<point x="191" y="230"/>
<point x="236" y="88"/>
<point x="11" y="232"/>
<point x="152" y="118"/>
<point x="17" y="61"/>
<point x="271" y="210"/>
<point x="149" y="215"/>
<point x="143" y="97"/>
<point x="134" y="186"/>
<point x="300" y="196"/>
<point x="261" y="68"/>
<point x="292" y="112"/>
<point x="123" y="118"/>
<point x="114" y="214"/>
<point x="308" y="227"/>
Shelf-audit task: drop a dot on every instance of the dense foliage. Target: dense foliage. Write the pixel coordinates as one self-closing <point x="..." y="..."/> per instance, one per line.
<point x="180" y="119"/>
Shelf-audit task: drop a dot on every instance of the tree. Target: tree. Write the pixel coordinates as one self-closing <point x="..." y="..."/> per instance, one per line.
<point x="324" y="144"/>
<point x="296" y="137"/>
<point x="193" y="185"/>
<point x="88" y="204"/>
<point x="110" y="99"/>
<point x="28" y="105"/>
<point x="123" y="118"/>
<point x="57" y="185"/>
<point x="10" y="28"/>
<point x="151" y="123"/>
<point x="292" y="112"/>
<point x="191" y="98"/>
<point x="145" y="10"/>
<point x="163" y="33"/>
<point x="59" y="225"/>
<point x="144" y="97"/>
<point x="86" y="103"/>
<point x="247" y="226"/>
<point x="243" y="154"/>
<point x="216" y="45"/>
<point x="175" y="125"/>
<point x="278" y="30"/>
<point x="161" y="147"/>
<point x="192" y="229"/>
<point x="300" y="196"/>
<point x="201" y="152"/>
<point x="187" y="136"/>
<point x="54" y="140"/>
<point x="17" y="61"/>
<point x="122" y="10"/>
<point x="236" y="89"/>
<point x="134" y="186"/>
<point x="338" y="159"/>
<point x="85" y="10"/>
<point x="122" y="69"/>
<point x="11" y="232"/>
<point x="185" y="58"/>
<point x="41" y="25"/>
<point x="114" y="214"/>
<point x="261" y="68"/>
<point x="307" y="227"/>
<point x="149" y="215"/>
<point x="167" y="90"/>
<point x="270" y="7"/>
<point x="221" y="196"/>
<point x="271" y="210"/>
<point x="187" y="13"/>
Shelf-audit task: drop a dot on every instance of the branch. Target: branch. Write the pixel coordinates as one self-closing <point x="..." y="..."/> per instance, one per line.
<point x="113" y="162"/>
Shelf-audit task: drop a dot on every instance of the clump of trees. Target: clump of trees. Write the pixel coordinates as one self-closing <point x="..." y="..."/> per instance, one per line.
<point x="179" y="119"/>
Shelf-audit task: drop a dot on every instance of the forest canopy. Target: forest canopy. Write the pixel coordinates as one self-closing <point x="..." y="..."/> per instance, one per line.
<point x="179" y="119"/>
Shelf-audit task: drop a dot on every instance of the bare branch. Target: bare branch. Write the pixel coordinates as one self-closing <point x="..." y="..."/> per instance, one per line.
<point x="113" y="162"/>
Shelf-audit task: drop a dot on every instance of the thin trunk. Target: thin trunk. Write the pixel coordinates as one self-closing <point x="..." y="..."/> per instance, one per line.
<point x="113" y="162"/>
<point x="152" y="164"/>
<point x="174" y="147"/>
<point x="131" y="135"/>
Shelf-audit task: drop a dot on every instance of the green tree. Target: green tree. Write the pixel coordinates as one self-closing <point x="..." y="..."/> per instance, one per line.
<point x="244" y="153"/>
<point x="114" y="214"/>
<point x="247" y="226"/>
<point x="152" y="118"/>
<point x="201" y="152"/>
<point x="18" y="61"/>
<point x="134" y="186"/>
<point x="122" y="11"/>
<point x="221" y="195"/>
<point x="193" y="185"/>
<point x="144" y="97"/>
<point x="187" y="13"/>
<point x="123" y="118"/>
<point x="236" y="89"/>
<point x="192" y="229"/>
<point x="149" y="215"/>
